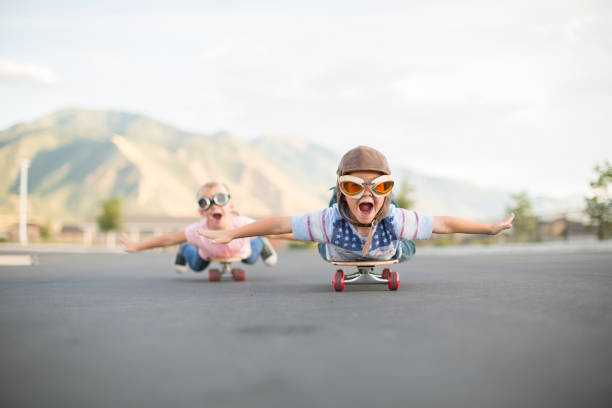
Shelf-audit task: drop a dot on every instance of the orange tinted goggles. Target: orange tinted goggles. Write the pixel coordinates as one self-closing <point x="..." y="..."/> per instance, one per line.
<point x="354" y="187"/>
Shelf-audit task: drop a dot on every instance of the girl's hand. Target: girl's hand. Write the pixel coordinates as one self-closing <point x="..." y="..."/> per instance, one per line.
<point x="218" y="237"/>
<point x="130" y="246"/>
<point x="503" y="225"/>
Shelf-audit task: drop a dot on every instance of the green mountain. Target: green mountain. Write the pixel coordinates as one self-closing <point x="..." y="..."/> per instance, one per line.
<point x="81" y="157"/>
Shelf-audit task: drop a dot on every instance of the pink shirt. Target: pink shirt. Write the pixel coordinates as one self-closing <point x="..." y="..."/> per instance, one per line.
<point x="238" y="248"/>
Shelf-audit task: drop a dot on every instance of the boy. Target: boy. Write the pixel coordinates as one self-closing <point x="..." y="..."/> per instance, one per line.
<point x="218" y="213"/>
<point x="363" y="224"/>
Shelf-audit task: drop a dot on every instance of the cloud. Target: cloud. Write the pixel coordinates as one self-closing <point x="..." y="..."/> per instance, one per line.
<point x="13" y="70"/>
<point x="111" y="62"/>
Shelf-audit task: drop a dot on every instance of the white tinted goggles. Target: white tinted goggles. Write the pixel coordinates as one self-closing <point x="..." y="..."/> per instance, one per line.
<point x="354" y="187"/>
<point x="219" y="199"/>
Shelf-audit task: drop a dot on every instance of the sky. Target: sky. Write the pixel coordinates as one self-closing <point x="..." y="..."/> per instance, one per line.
<point x="510" y="94"/>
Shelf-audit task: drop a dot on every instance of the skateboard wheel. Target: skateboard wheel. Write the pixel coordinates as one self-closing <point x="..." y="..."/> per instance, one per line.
<point x="393" y="280"/>
<point x="214" y="275"/>
<point x="338" y="281"/>
<point x="238" y="274"/>
<point x="385" y="273"/>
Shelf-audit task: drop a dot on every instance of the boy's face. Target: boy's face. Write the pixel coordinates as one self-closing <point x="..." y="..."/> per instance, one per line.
<point x="365" y="208"/>
<point x="218" y="217"/>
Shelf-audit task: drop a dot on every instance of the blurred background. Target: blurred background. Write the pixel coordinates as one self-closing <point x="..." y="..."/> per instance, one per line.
<point x="116" y="112"/>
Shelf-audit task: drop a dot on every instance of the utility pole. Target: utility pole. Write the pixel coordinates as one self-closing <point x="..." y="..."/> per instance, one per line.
<point x="23" y="202"/>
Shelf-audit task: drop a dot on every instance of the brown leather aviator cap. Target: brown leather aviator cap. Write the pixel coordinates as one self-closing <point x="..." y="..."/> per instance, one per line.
<point x="362" y="158"/>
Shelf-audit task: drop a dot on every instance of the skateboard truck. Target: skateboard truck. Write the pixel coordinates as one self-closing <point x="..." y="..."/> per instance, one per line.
<point x="214" y="274"/>
<point x="365" y="275"/>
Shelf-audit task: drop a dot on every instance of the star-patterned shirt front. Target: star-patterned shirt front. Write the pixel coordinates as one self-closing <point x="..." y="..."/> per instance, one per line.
<point x="343" y="243"/>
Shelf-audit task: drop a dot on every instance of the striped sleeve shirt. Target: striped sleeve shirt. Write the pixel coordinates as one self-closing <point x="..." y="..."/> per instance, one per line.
<point x="344" y="243"/>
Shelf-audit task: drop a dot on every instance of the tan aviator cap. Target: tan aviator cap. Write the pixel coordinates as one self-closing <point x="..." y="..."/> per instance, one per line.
<point x="363" y="158"/>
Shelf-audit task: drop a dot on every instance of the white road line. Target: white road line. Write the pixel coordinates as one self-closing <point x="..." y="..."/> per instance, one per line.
<point x="16" y="260"/>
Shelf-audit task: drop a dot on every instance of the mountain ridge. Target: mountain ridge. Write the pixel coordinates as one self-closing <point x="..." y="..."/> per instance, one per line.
<point x="81" y="157"/>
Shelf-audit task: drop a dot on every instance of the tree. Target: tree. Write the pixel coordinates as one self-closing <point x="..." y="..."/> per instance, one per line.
<point x="599" y="206"/>
<point x="404" y="196"/>
<point x="45" y="231"/>
<point x="110" y="219"/>
<point x="525" y="225"/>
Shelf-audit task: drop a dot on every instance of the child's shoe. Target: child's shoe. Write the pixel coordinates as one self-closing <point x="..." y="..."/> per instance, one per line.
<point x="180" y="263"/>
<point x="268" y="254"/>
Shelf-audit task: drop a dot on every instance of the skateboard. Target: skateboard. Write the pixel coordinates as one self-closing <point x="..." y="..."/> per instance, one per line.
<point x="365" y="274"/>
<point x="215" y="274"/>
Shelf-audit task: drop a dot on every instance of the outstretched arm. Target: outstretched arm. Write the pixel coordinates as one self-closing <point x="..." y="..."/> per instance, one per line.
<point x="169" y="238"/>
<point x="289" y="237"/>
<point x="267" y="226"/>
<point x="451" y="225"/>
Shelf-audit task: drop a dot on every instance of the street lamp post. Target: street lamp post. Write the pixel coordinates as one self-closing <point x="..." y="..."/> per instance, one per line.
<point x="23" y="202"/>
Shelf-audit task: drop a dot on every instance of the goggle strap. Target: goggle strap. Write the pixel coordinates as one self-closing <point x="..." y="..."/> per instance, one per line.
<point x="368" y="242"/>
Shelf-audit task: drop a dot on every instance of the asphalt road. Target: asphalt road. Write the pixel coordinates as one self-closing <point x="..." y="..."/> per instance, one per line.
<point x="532" y="330"/>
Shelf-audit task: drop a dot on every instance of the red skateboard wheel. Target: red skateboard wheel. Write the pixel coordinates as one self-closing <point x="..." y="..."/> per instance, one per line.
<point x="338" y="281"/>
<point x="393" y="280"/>
<point x="238" y="274"/>
<point x="214" y="275"/>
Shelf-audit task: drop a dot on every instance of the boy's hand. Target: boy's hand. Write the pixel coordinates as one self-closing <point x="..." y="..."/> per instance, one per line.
<point x="218" y="236"/>
<point x="130" y="246"/>
<point x="503" y="225"/>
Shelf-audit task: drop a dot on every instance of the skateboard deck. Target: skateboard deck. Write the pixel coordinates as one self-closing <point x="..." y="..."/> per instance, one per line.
<point x="365" y="263"/>
<point x="225" y="260"/>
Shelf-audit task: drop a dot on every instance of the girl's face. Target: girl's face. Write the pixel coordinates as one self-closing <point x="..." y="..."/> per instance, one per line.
<point x="367" y="206"/>
<point x="218" y="217"/>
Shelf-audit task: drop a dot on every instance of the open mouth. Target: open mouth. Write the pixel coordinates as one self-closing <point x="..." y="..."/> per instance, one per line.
<point x="217" y="217"/>
<point x="366" y="209"/>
